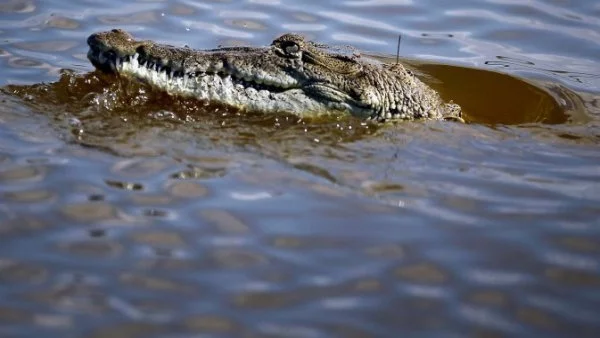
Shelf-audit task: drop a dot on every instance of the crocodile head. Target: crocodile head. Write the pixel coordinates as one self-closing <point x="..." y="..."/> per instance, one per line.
<point x="292" y="75"/>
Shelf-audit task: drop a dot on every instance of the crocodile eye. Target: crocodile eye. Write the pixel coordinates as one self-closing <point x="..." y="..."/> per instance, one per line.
<point x="290" y="49"/>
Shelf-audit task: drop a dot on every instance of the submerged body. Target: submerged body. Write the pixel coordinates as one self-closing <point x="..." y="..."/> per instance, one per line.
<point x="292" y="75"/>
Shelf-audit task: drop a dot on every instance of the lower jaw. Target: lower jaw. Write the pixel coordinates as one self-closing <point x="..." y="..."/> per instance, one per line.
<point x="224" y="90"/>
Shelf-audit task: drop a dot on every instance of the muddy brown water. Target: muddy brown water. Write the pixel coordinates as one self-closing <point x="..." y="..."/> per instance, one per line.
<point x="128" y="213"/>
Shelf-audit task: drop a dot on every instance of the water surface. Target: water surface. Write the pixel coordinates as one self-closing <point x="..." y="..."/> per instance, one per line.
<point x="124" y="212"/>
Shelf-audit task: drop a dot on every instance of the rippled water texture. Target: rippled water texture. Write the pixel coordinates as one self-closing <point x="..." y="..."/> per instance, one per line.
<point x="127" y="213"/>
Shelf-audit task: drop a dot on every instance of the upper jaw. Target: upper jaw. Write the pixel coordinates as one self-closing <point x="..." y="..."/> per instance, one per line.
<point x="200" y="64"/>
<point x="235" y="62"/>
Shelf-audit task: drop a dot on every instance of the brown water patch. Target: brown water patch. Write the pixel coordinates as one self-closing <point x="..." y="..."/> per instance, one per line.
<point x="128" y="330"/>
<point x="538" y="318"/>
<point x="75" y="294"/>
<point x="25" y="173"/>
<point x="17" y="6"/>
<point x="572" y="277"/>
<point x="89" y="211"/>
<point x="21" y="273"/>
<point x="156" y="284"/>
<point x="211" y="324"/>
<point x="305" y="243"/>
<point x="184" y="189"/>
<point x="92" y="248"/>
<point x="13" y="315"/>
<point x="494" y="298"/>
<point x="225" y="222"/>
<point x="53" y="321"/>
<point x="22" y="225"/>
<point x="368" y="285"/>
<point x="386" y="251"/>
<point x="578" y="244"/>
<point x="236" y="259"/>
<point x="265" y="300"/>
<point x="148" y="199"/>
<point x="156" y="238"/>
<point x="181" y="9"/>
<point x="496" y="98"/>
<point x="61" y="22"/>
<point x="423" y="273"/>
<point x="21" y="62"/>
<point x="29" y="196"/>
<point x="168" y="263"/>
<point x="487" y="333"/>
<point x="135" y="18"/>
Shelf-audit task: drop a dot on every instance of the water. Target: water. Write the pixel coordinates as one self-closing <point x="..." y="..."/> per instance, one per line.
<point x="124" y="212"/>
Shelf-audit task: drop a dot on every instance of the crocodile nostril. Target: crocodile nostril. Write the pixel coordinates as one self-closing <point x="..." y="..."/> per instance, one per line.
<point x="92" y="39"/>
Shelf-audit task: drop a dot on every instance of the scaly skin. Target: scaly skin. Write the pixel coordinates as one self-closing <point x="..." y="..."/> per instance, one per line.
<point x="292" y="75"/>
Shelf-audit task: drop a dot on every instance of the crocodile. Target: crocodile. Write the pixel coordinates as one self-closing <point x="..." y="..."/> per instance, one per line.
<point x="292" y="75"/>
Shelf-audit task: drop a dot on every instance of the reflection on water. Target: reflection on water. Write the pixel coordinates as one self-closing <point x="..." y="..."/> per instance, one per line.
<point x="125" y="212"/>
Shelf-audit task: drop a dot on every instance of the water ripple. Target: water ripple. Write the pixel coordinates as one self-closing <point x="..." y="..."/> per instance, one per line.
<point x="128" y="213"/>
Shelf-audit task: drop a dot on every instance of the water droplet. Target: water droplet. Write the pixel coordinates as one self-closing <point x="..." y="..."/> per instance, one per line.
<point x="74" y="122"/>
